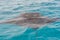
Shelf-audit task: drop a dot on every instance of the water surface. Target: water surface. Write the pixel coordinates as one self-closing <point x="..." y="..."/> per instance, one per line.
<point x="12" y="8"/>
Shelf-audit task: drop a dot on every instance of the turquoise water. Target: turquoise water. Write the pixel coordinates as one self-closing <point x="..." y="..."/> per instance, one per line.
<point x="12" y="8"/>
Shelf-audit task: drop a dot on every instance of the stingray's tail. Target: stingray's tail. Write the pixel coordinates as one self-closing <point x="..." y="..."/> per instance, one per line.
<point x="11" y="20"/>
<point x="6" y="21"/>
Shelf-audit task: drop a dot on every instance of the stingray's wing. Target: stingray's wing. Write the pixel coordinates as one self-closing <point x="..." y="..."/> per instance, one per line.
<point x="30" y="15"/>
<point x="34" y="26"/>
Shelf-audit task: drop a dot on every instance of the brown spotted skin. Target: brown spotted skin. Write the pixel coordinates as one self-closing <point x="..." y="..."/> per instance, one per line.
<point x="34" y="20"/>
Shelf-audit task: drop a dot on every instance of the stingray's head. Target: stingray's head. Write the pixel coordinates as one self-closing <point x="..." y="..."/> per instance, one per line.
<point x="30" y="15"/>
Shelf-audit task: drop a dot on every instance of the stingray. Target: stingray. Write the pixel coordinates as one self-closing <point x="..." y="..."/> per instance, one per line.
<point x="33" y="20"/>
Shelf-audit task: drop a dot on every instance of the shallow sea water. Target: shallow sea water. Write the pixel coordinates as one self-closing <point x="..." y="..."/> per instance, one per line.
<point x="12" y="8"/>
